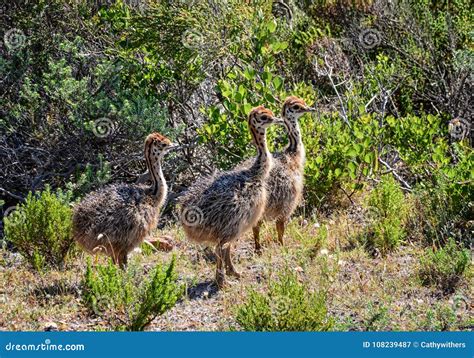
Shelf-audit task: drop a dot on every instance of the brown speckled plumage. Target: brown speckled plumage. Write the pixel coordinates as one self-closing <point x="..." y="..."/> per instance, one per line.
<point x="220" y="208"/>
<point x="285" y="182"/>
<point x="116" y="219"/>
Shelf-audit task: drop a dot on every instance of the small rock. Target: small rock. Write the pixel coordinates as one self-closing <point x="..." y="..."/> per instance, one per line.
<point x="299" y="269"/>
<point x="163" y="243"/>
<point x="50" y="327"/>
<point x="324" y="252"/>
<point x="137" y="250"/>
<point x="316" y="225"/>
<point x="341" y="263"/>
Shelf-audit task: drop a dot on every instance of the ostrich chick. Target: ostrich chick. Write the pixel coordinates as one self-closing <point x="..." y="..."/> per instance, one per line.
<point x="116" y="219"/>
<point x="285" y="182"/>
<point x="220" y="208"/>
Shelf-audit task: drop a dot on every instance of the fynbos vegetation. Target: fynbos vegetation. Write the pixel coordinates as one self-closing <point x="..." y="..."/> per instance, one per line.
<point x="128" y="300"/>
<point x="40" y="229"/>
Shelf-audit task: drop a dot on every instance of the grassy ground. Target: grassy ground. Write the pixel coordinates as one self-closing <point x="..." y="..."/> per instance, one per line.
<point x="364" y="293"/>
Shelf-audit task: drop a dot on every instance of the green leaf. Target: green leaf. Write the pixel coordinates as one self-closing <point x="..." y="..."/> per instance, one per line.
<point x="279" y="46"/>
<point x="248" y="74"/>
<point x="267" y="77"/>
<point x="283" y="45"/>
<point x="269" y="98"/>
<point x="368" y="158"/>
<point x="358" y="134"/>
<point x="352" y="153"/>
<point x="277" y="82"/>
<point x="247" y="108"/>
<point x="238" y="97"/>
<point x="271" y="26"/>
<point x="352" y="167"/>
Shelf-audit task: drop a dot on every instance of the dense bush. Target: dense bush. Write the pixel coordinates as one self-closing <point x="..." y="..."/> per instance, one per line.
<point x="90" y="179"/>
<point x="444" y="267"/>
<point x="287" y="306"/>
<point x="441" y="212"/>
<point x="126" y="299"/>
<point x="94" y="90"/>
<point x="66" y="98"/>
<point x="441" y="317"/>
<point x="41" y="229"/>
<point x="387" y="212"/>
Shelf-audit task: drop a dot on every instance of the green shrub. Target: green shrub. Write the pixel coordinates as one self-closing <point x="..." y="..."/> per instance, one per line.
<point x="442" y="317"/>
<point x="287" y="306"/>
<point x="126" y="299"/>
<point x="378" y="318"/>
<point x="90" y="179"/>
<point x="444" y="203"/>
<point x="41" y="229"/>
<point x="338" y="156"/>
<point x="311" y="240"/>
<point x="387" y="213"/>
<point x="444" y="267"/>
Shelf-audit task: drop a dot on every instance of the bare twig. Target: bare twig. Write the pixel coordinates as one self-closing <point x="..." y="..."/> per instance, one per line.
<point x="406" y="186"/>
<point x="9" y="193"/>
<point x="329" y="74"/>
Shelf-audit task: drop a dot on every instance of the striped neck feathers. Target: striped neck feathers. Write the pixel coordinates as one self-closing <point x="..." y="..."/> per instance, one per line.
<point x="295" y="146"/>
<point x="263" y="161"/>
<point x="158" y="188"/>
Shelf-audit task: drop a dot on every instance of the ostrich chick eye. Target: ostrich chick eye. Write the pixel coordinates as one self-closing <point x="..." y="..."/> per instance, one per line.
<point x="296" y="107"/>
<point x="265" y="118"/>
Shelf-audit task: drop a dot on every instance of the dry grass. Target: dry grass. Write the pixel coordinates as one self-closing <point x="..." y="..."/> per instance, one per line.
<point x="364" y="293"/>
